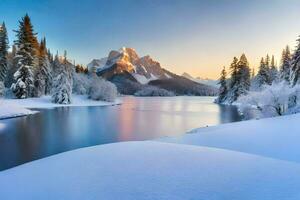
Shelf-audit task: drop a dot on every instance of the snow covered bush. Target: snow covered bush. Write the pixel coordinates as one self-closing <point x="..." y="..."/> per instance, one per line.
<point x="81" y="83"/>
<point x="275" y="100"/>
<point x="62" y="86"/>
<point x="153" y="91"/>
<point x="101" y="89"/>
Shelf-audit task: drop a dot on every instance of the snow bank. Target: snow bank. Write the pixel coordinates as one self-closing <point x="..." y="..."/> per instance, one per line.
<point x="45" y="102"/>
<point x="150" y="171"/>
<point x="277" y="137"/>
<point x="9" y="111"/>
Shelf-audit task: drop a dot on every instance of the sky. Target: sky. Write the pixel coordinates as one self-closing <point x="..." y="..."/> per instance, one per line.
<point x="194" y="36"/>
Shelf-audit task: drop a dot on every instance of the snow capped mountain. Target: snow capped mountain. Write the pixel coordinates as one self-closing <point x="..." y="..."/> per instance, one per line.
<point x="132" y="73"/>
<point x="205" y="81"/>
<point x="143" y="69"/>
<point x="97" y="63"/>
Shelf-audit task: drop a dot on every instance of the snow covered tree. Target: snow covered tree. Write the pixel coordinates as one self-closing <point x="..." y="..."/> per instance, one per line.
<point x="232" y="93"/>
<point x="262" y="77"/>
<point x="243" y="76"/>
<point x="43" y="77"/>
<point x="3" y="52"/>
<point x="23" y="88"/>
<point x="26" y="55"/>
<point x="273" y="72"/>
<point x="240" y="79"/>
<point x="285" y="67"/>
<point x="101" y="89"/>
<point x="12" y="67"/>
<point x="295" y="65"/>
<point x="223" y="87"/>
<point x="62" y="83"/>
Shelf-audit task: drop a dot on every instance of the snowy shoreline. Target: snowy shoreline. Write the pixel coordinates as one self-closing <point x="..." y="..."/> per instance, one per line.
<point x="10" y="108"/>
<point x="255" y="159"/>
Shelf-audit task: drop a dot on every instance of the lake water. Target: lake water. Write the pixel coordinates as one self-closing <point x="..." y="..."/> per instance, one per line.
<point x="53" y="131"/>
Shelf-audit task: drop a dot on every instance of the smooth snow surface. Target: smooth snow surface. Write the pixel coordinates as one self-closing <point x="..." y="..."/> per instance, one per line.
<point x="45" y="102"/>
<point x="277" y="137"/>
<point x="152" y="171"/>
<point x="9" y="111"/>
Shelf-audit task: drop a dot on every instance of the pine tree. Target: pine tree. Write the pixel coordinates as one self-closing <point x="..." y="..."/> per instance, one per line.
<point x="273" y="72"/>
<point x="3" y="52"/>
<point x="233" y="72"/>
<point x="12" y="67"/>
<point x="243" y="76"/>
<point x="223" y="87"/>
<point x="295" y="65"/>
<point x="232" y="93"/>
<point x="263" y="74"/>
<point x="285" y="67"/>
<point x="63" y="82"/>
<point x="43" y="77"/>
<point x="26" y="56"/>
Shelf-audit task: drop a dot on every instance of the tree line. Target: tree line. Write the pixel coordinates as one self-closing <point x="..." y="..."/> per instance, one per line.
<point x="31" y="70"/>
<point x="242" y="79"/>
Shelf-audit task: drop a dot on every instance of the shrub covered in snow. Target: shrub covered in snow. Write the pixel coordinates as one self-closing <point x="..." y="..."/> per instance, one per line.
<point x="81" y="83"/>
<point x="101" y="89"/>
<point x="275" y="100"/>
<point x="153" y="91"/>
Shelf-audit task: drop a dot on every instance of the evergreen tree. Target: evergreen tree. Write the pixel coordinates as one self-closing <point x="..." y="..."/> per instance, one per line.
<point x="43" y="78"/>
<point x="243" y="76"/>
<point x="273" y="73"/>
<point x="232" y="93"/>
<point x="285" y="67"/>
<point x="263" y="74"/>
<point x="26" y="56"/>
<point x="223" y="87"/>
<point x="295" y="65"/>
<point x="63" y="82"/>
<point x="12" y="67"/>
<point x="233" y="72"/>
<point x="3" y="52"/>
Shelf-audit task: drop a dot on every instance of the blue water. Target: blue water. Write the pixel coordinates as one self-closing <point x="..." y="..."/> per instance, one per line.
<point x="53" y="131"/>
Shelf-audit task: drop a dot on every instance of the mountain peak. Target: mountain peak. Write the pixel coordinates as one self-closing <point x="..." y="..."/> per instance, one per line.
<point x="187" y="75"/>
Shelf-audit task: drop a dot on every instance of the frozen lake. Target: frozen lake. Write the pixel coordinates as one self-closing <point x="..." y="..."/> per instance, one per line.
<point x="53" y="131"/>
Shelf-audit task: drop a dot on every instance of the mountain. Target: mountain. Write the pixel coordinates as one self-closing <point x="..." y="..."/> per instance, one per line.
<point x="205" y="81"/>
<point x="131" y="73"/>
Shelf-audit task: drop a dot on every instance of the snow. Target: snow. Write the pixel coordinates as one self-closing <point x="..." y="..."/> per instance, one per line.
<point x="9" y="111"/>
<point x="276" y="137"/>
<point x="45" y="102"/>
<point x="152" y="170"/>
<point x="143" y="79"/>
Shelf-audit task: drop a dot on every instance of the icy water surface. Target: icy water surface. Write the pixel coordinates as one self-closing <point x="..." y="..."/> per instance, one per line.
<point x="53" y="131"/>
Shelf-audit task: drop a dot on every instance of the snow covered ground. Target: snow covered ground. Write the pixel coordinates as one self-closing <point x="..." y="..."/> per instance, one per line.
<point x="152" y="170"/>
<point x="9" y="111"/>
<point x="20" y="107"/>
<point x="257" y="159"/>
<point x="45" y="102"/>
<point x="277" y="137"/>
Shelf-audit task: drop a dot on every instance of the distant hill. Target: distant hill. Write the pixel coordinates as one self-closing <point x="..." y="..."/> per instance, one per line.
<point x="205" y="81"/>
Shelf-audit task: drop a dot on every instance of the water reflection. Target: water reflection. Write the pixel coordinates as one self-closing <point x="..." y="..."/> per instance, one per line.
<point x="57" y="130"/>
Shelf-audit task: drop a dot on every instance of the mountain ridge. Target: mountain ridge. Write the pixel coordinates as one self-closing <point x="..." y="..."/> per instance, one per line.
<point x="130" y="73"/>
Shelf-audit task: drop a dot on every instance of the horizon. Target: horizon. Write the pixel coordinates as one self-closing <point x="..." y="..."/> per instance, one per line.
<point x="198" y="40"/>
